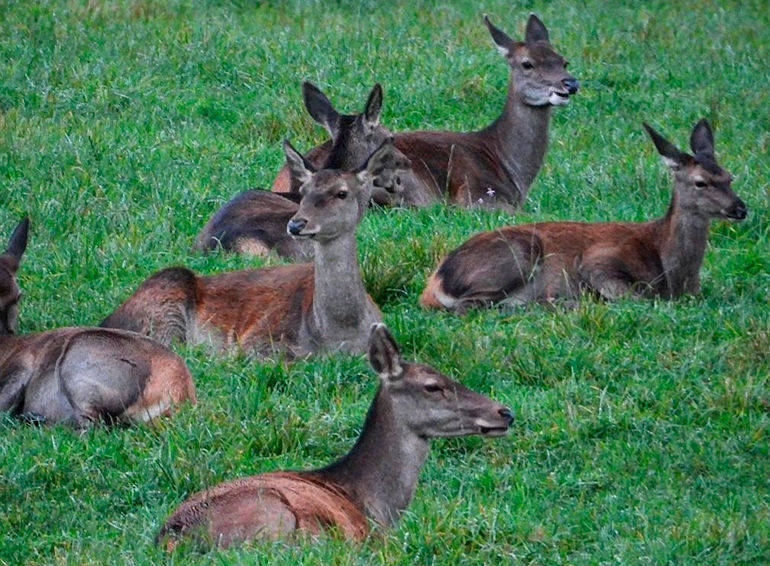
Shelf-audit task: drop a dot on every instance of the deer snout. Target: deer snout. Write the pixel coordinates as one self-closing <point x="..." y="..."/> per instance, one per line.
<point x="571" y="84"/>
<point x="739" y="210"/>
<point x="295" y="226"/>
<point x="506" y="413"/>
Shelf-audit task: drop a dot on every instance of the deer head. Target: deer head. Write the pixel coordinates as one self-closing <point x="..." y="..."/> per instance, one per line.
<point x="538" y="72"/>
<point x="334" y="201"/>
<point x="10" y="295"/>
<point x="355" y="136"/>
<point x="701" y="185"/>
<point x="429" y="403"/>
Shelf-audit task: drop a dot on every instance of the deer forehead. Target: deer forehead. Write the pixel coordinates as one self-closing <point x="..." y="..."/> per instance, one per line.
<point x="421" y="374"/>
<point x="540" y="53"/>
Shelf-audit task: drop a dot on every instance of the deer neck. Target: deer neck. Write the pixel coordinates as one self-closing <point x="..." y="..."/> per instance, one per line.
<point x="683" y="235"/>
<point x="380" y="473"/>
<point x="340" y="303"/>
<point x="520" y="138"/>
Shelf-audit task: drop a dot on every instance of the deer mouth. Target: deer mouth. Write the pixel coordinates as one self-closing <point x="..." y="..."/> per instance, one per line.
<point x="493" y="431"/>
<point x="492" y="428"/>
<point x="558" y="98"/>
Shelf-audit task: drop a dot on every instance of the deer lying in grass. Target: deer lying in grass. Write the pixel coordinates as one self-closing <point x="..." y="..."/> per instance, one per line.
<point x="493" y="167"/>
<point x="299" y="309"/>
<point x="254" y="222"/>
<point x="374" y="481"/>
<point x="81" y="375"/>
<point x="541" y="262"/>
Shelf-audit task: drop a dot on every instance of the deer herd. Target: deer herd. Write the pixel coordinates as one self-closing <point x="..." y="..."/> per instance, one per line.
<point x="124" y="371"/>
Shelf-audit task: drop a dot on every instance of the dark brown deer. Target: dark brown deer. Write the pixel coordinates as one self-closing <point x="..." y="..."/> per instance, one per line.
<point x="542" y="262"/>
<point x="493" y="167"/>
<point x="374" y="482"/>
<point x="254" y="222"/>
<point x="299" y="309"/>
<point x="80" y="376"/>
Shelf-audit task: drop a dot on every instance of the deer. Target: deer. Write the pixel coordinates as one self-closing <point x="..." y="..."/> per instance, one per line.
<point x="254" y="222"/>
<point x="493" y="167"/>
<point x="372" y="484"/>
<point x="81" y="376"/>
<point x="561" y="260"/>
<point x="297" y="309"/>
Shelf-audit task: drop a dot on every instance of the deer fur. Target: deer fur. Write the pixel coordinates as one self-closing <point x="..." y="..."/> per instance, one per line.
<point x="298" y="309"/>
<point x="546" y="261"/>
<point x="254" y="222"/>
<point x="373" y="483"/>
<point x="80" y="376"/>
<point x="493" y="167"/>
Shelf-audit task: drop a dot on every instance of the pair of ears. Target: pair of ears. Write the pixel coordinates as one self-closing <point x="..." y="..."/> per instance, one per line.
<point x="380" y="167"/>
<point x="321" y="110"/>
<point x="701" y="143"/>
<point x="17" y="245"/>
<point x="535" y="31"/>
<point x="384" y="356"/>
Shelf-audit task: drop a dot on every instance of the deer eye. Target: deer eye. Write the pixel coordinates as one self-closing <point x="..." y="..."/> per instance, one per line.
<point x="566" y="64"/>
<point x="527" y="64"/>
<point x="701" y="184"/>
<point x="432" y="388"/>
<point x="342" y="195"/>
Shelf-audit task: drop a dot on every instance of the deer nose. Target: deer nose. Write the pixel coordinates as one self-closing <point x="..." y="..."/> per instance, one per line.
<point x="740" y="211"/>
<point x="571" y="85"/>
<point x="505" y="412"/>
<point x="296" y="225"/>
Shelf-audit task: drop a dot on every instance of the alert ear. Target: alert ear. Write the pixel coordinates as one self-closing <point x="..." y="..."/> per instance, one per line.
<point x="672" y="156"/>
<point x="536" y="30"/>
<point x="18" y="242"/>
<point x="383" y="165"/>
<point x="373" y="107"/>
<point x="502" y="41"/>
<point x="384" y="356"/>
<point x="300" y="167"/>
<point x="320" y="108"/>
<point x="702" y="139"/>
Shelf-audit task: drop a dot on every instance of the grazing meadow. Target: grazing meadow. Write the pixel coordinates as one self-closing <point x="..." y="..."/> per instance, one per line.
<point x="642" y="427"/>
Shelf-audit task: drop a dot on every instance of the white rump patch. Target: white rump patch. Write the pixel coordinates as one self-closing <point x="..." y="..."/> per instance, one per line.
<point x="444" y="299"/>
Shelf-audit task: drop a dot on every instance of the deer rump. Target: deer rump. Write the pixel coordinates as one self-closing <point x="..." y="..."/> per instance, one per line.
<point x="268" y="506"/>
<point x="85" y="375"/>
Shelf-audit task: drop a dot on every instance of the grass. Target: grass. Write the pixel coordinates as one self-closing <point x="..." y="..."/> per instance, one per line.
<point x="642" y="427"/>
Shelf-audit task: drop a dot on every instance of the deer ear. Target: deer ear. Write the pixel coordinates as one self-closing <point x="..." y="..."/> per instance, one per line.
<point x="671" y="155"/>
<point x="383" y="353"/>
<point x="502" y="41"/>
<point x="383" y="165"/>
<point x="374" y="106"/>
<point x="702" y="139"/>
<point x="18" y="242"/>
<point x="319" y="108"/>
<point x="536" y="30"/>
<point x="300" y="167"/>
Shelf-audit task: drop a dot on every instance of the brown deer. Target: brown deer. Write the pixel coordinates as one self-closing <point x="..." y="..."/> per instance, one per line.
<point x="493" y="167"/>
<point x="541" y="262"/>
<point x="374" y="482"/>
<point x="299" y="309"/>
<point x="80" y="376"/>
<point x="254" y="222"/>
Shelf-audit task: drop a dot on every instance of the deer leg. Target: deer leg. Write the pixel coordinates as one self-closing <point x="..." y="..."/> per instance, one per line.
<point x="12" y="392"/>
<point x="604" y="272"/>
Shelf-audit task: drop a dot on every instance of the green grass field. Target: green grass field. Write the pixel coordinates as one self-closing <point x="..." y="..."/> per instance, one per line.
<point x="642" y="427"/>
